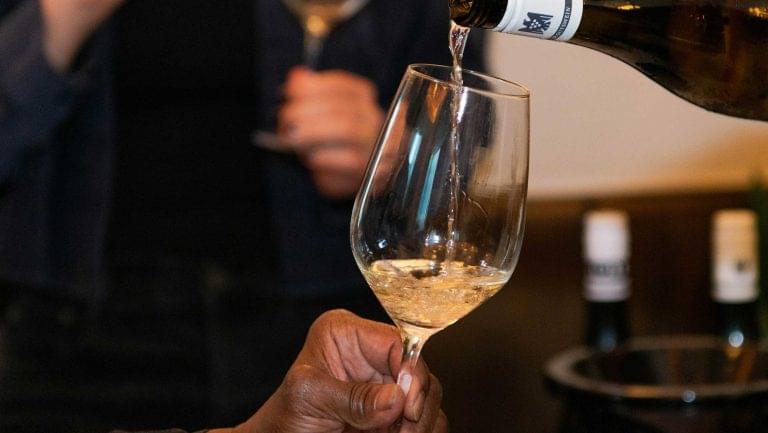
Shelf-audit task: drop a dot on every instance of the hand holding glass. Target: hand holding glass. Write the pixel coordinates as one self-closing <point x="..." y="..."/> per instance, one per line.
<point x="318" y="18"/>
<point x="427" y="271"/>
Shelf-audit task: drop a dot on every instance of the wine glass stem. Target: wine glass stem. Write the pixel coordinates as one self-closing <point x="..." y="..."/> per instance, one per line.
<point x="313" y="47"/>
<point x="412" y="345"/>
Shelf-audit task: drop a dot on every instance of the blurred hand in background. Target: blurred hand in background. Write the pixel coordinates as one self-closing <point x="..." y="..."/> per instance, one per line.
<point x="68" y="24"/>
<point x="331" y="120"/>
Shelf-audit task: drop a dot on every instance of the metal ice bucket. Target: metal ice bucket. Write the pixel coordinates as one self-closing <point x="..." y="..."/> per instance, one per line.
<point x="676" y="384"/>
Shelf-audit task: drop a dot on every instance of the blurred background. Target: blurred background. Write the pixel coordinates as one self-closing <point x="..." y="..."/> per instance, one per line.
<point x="153" y="249"/>
<point x="598" y="128"/>
<point x="602" y="135"/>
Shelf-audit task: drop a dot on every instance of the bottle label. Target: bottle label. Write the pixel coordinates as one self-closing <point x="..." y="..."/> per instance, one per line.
<point x="545" y="19"/>
<point x="734" y="257"/>
<point x="735" y="281"/>
<point x="607" y="282"/>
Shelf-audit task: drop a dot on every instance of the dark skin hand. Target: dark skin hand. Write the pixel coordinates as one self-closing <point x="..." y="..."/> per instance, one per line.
<point x="343" y="381"/>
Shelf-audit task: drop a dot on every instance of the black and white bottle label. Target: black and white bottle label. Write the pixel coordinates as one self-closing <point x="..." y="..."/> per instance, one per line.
<point x="735" y="279"/>
<point x="607" y="282"/>
<point x="545" y="19"/>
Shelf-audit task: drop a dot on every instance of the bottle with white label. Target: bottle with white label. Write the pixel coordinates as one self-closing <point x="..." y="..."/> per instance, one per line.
<point x="713" y="53"/>
<point x="606" y="243"/>
<point x="734" y="274"/>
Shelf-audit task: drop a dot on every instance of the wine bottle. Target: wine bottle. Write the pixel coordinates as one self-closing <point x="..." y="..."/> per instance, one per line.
<point x="713" y="53"/>
<point x="734" y="274"/>
<point x="606" y="282"/>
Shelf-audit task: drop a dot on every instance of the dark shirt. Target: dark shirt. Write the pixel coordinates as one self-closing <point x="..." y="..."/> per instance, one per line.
<point x="119" y="178"/>
<point x="192" y="79"/>
<point x="55" y="163"/>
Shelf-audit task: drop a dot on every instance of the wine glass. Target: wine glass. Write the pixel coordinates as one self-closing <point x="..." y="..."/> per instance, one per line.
<point x="428" y="266"/>
<point x="318" y="18"/>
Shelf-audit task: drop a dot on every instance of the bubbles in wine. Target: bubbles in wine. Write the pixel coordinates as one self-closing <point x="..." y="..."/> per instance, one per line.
<point x="416" y="292"/>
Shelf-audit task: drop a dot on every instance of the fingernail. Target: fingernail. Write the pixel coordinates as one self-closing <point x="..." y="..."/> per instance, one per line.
<point x="386" y="398"/>
<point x="405" y="383"/>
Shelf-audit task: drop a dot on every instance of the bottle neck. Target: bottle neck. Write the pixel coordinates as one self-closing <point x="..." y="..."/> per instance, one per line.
<point x="738" y="322"/>
<point x="485" y="14"/>
<point x="545" y="19"/>
<point x="606" y="290"/>
<point x="606" y="325"/>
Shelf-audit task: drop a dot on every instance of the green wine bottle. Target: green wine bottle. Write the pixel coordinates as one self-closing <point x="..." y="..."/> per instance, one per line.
<point x="606" y="280"/>
<point x="735" y="275"/>
<point x="713" y="53"/>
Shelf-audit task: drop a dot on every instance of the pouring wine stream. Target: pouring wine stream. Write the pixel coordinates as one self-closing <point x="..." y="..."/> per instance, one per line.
<point x="413" y="339"/>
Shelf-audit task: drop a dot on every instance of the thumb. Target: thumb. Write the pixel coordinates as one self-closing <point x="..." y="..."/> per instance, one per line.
<point x="364" y="406"/>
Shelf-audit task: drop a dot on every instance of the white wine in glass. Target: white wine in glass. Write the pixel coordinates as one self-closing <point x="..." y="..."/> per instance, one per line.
<point x="418" y="293"/>
<point x="438" y="223"/>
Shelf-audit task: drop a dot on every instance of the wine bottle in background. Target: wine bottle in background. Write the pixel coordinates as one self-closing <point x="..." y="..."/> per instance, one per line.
<point x="713" y="53"/>
<point x="606" y="283"/>
<point x="759" y="201"/>
<point x="734" y="274"/>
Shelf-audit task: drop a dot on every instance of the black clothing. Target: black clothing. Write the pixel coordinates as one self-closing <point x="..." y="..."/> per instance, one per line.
<point x="156" y="269"/>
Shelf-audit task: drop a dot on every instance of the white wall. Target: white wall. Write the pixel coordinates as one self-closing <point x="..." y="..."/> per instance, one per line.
<point x="599" y="127"/>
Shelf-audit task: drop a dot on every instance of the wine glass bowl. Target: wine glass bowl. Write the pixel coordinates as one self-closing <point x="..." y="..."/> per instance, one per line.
<point x="318" y="18"/>
<point x="428" y="266"/>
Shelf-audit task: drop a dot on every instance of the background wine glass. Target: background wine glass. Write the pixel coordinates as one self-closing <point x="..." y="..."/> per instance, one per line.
<point x="317" y="18"/>
<point x="400" y="230"/>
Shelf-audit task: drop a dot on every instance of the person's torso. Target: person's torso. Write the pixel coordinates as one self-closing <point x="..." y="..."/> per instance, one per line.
<point x="193" y="79"/>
